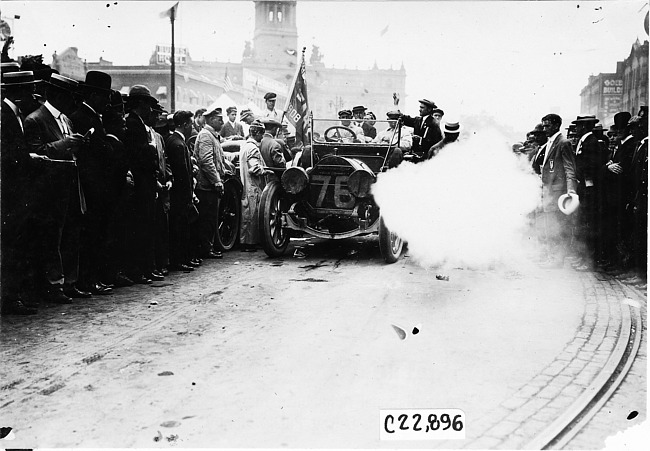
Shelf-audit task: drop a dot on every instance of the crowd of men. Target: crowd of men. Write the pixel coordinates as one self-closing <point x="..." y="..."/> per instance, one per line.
<point x="102" y="190"/>
<point x="594" y="193"/>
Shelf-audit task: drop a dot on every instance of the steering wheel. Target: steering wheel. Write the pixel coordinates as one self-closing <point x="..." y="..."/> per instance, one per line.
<point x="336" y="136"/>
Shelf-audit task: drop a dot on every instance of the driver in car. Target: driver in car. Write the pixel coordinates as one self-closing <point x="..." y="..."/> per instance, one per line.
<point x="346" y="121"/>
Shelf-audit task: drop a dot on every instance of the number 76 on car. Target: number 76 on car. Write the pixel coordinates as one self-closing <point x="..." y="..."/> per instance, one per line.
<point x="421" y="424"/>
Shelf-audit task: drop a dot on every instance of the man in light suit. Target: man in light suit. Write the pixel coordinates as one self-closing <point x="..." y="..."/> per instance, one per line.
<point x="209" y="182"/>
<point x="232" y="129"/>
<point x="49" y="133"/>
<point x="558" y="172"/>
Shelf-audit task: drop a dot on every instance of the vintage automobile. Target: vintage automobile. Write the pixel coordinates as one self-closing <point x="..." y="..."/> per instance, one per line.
<point x="326" y="191"/>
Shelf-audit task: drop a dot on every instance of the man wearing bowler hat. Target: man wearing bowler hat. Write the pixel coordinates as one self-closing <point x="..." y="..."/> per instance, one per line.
<point x="614" y="174"/>
<point x="426" y="131"/>
<point x="49" y="132"/>
<point x="558" y="177"/>
<point x="590" y="157"/>
<point x="144" y="157"/>
<point x="93" y="160"/>
<point x="17" y="87"/>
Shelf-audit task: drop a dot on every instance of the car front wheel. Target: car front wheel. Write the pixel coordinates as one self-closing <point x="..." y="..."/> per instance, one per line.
<point x="273" y="237"/>
<point x="390" y="245"/>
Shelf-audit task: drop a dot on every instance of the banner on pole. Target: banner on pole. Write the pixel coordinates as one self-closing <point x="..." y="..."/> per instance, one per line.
<point x="297" y="107"/>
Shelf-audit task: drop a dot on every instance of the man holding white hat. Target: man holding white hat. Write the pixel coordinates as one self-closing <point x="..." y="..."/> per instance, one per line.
<point x="558" y="171"/>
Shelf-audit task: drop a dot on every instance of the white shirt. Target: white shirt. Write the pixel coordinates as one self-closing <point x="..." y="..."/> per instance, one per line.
<point x="579" y="146"/>
<point x="14" y="108"/>
<point x="57" y="115"/>
<point x="548" y="145"/>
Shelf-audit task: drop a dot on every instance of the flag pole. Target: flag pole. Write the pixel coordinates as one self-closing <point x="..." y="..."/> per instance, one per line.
<point x="292" y="85"/>
<point x="172" y="104"/>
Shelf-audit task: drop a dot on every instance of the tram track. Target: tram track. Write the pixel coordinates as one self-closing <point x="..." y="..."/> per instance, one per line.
<point x="576" y="417"/>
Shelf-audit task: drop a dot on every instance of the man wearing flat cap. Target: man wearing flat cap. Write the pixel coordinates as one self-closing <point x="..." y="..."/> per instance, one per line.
<point x="270" y="148"/>
<point x="271" y="112"/>
<point x="346" y="117"/>
<point x="247" y="118"/>
<point x="93" y="160"/>
<point x="252" y="171"/>
<point x="589" y="159"/>
<point x="232" y="129"/>
<point x="49" y="132"/>
<point x="209" y="187"/>
<point x="426" y="132"/>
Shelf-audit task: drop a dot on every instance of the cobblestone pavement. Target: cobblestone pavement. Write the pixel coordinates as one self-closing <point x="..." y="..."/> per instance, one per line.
<point x="529" y="411"/>
<point x="618" y="414"/>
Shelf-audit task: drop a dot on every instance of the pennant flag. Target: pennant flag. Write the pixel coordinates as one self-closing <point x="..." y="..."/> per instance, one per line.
<point x="227" y="82"/>
<point x="297" y="107"/>
<point x="169" y="12"/>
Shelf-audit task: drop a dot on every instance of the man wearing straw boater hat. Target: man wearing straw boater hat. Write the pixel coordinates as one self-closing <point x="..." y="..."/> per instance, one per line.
<point x="558" y="177"/>
<point x="17" y="87"/>
<point x="49" y="132"/>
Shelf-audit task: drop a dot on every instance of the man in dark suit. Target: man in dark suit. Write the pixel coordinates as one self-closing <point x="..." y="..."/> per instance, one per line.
<point x="558" y="177"/>
<point x="614" y="174"/>
<point x="50" y="133"/>
<point x="178" y="156"/>
<point x="270" y="149"/>
<point x="140" y="144"/>
<point x="426" y="131"/>
<point x="93" y="161"/>
<point x="589" y="159"/>
<point x="164" y="182"/>
<point x="17" y="88"/>
<point x="232" y="129"/>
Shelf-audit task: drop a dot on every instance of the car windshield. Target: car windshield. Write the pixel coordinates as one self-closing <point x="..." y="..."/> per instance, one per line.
<point x="354" y="131"/>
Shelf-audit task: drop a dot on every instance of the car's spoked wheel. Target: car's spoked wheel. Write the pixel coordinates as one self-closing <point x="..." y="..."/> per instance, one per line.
<point x="273" y="237"/>
<point x="390" y="244"/>
<point x="229" y="218"/>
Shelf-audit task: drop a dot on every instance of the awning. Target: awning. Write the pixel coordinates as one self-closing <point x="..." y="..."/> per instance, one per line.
<point x="162" y="90"/>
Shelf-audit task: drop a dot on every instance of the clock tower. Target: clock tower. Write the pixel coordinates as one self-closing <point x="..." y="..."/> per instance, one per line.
<point x="275" y="40"/>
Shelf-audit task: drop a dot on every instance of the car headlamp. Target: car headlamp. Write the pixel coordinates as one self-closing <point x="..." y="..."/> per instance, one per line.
<point x="294" y="180"/>
<point x="360" y="181"/>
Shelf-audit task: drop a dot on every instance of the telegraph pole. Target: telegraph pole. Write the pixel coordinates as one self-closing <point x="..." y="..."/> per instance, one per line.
<point x="172" y="104"/>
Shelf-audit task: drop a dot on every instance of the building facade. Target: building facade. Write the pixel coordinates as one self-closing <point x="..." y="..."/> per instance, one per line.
<point x="624" y="90"/>
<point x="269" y="63"/>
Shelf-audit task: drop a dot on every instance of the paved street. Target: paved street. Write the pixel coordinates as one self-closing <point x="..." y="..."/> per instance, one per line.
<point x="256" y="352"/>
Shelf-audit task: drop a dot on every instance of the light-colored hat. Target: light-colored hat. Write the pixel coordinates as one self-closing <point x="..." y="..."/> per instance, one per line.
<point x="568" y="203"/>
<point x="451" y="127"/>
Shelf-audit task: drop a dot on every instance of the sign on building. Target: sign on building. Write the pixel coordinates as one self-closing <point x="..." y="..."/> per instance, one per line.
<point x="164" y="54"/>
<point x="611" y="95"/>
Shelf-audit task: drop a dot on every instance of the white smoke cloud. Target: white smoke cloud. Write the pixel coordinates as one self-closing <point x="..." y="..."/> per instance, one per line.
<point x="468" y="206"/>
